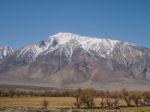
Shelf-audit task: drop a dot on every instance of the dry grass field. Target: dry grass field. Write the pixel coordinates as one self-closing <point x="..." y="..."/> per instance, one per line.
<point x="60" y="102"/>
<point x="37" y="101"/>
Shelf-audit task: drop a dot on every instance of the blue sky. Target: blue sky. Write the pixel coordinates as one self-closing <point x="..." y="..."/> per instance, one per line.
<point x="23" y="22"/>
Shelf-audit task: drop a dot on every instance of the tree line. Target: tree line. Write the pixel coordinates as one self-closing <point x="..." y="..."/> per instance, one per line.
<point x="31" y="93"/>
<point x="85" y="98"/>
<point x="111" y="99"/>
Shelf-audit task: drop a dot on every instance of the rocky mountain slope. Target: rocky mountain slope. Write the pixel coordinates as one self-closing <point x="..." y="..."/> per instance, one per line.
<point x="72" y="61"/>
<point x="5" y="51"/>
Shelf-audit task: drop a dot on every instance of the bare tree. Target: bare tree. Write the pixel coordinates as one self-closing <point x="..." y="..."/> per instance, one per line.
<point x="137" y="98"/>
<point x="126" y="97"/>
<point x="102" y="97"/>
<point x="45" y="104"/>
<point x="85" y="98"/>
<point x="109" y="103"/>
<point x="77" y="97"/>
<point x="116" y="103"/>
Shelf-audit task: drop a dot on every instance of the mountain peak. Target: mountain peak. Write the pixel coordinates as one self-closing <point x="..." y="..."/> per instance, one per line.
<point x="67" y="36"/>
<point x="64" y="34"/>
<point x="63" y="37"/>
<point x="102" y="46"/>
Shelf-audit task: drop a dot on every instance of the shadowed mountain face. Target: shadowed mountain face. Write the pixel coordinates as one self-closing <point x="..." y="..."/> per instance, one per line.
<point x="70" y="60"/>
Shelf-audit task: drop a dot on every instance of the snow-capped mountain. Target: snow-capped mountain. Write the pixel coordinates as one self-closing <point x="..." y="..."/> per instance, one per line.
<point x="5" y="51"/>
<point x="68" y="41"/>
<point x="71" y="60"/>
